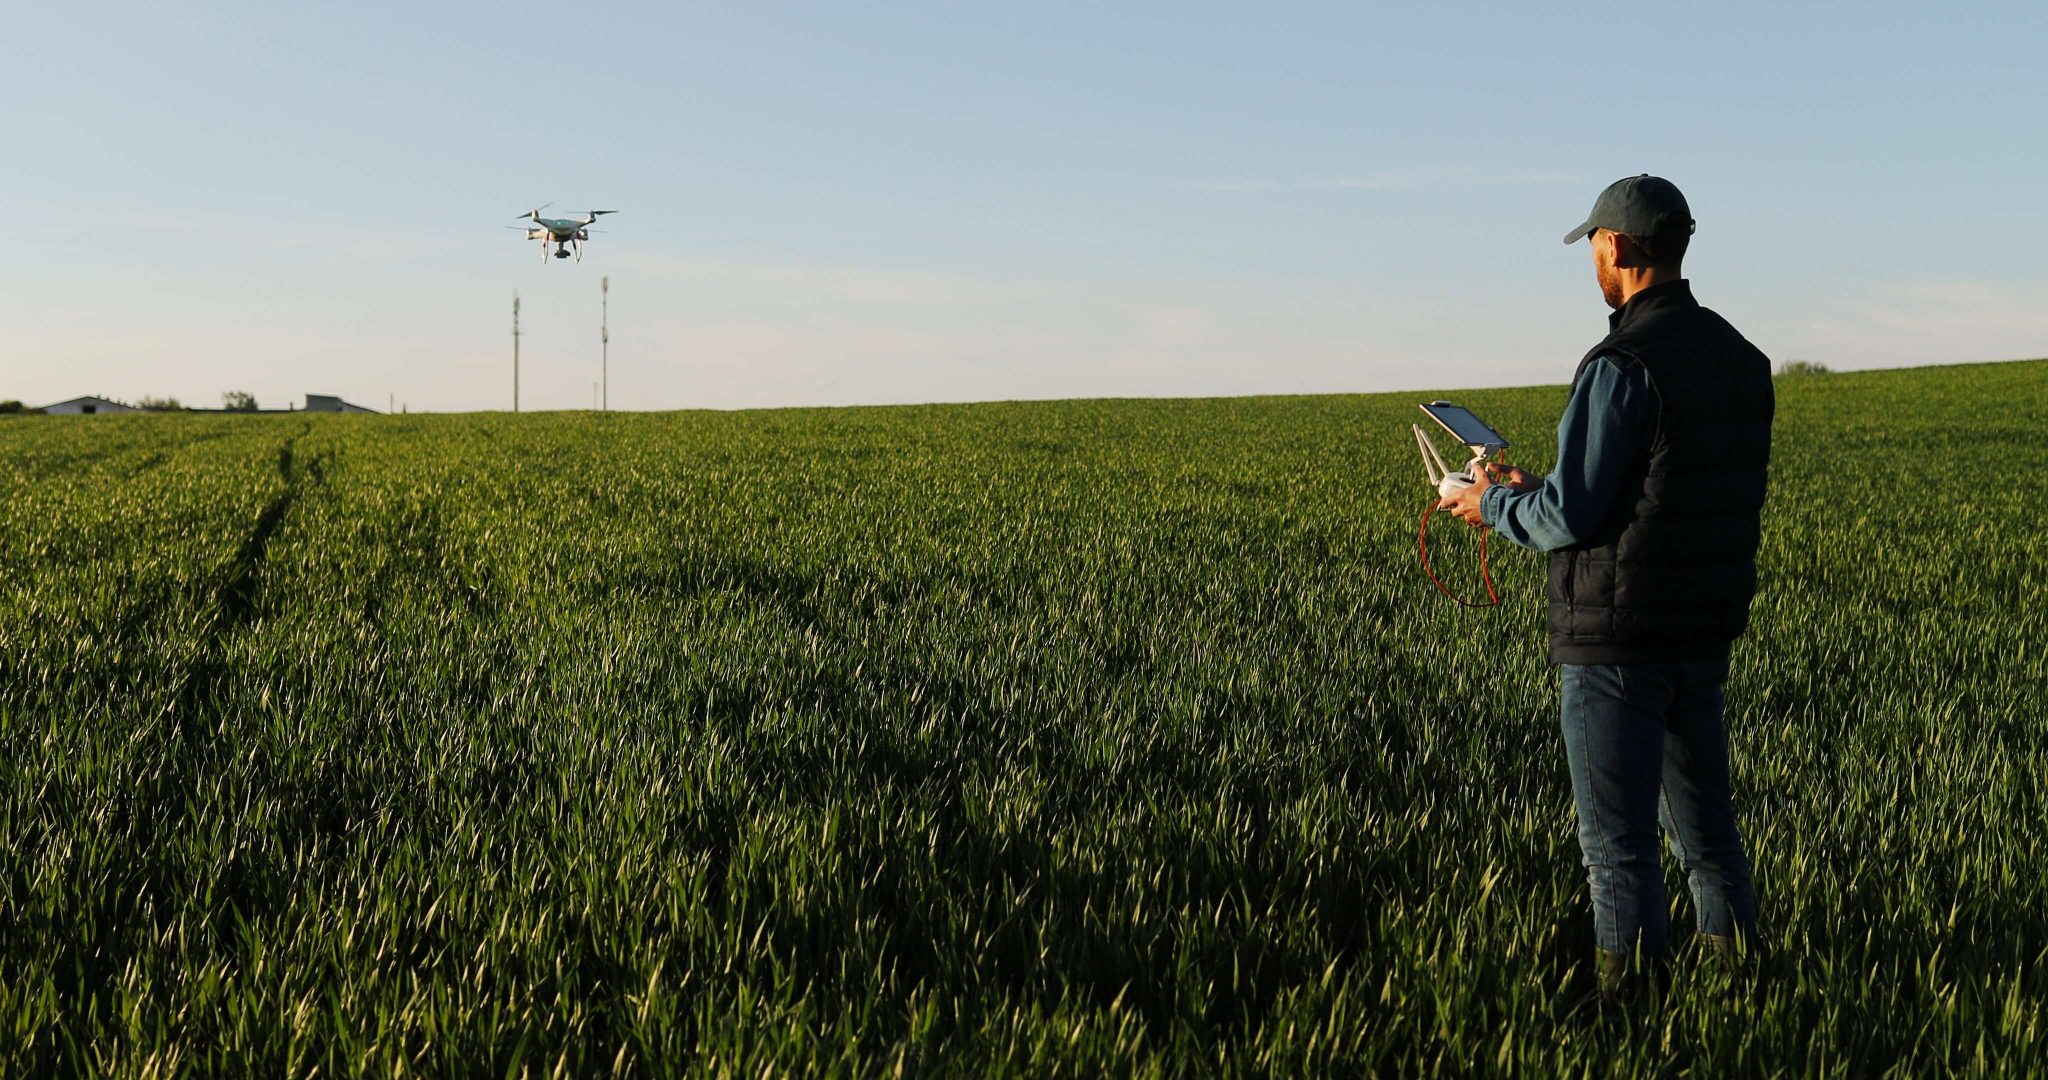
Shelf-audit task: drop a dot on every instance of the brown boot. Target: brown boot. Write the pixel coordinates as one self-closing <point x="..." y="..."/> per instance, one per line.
<point x="1734" y="959"/>
<point x="1625" y="978"/>
<point x="1612" y="970"/>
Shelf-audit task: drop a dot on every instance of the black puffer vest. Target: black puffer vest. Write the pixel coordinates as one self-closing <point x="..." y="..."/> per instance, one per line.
<point x="1670" y="575"/>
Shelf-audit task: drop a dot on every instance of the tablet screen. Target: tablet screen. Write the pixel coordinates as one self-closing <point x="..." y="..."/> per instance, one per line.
<point x="1463" y="426"/>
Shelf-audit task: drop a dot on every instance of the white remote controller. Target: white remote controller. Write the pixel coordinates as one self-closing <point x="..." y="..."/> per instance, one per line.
<point x="1453" y="483"/>
<point x="1448" y="483"/>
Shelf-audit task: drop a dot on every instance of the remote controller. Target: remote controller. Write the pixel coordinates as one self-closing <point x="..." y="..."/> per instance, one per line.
<point x="1448" y="484"/>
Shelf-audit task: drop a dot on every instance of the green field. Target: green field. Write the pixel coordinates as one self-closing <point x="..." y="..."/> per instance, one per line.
<point x="1042" y="738"/>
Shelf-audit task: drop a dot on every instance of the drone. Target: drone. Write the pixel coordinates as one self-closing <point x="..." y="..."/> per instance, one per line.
<point x="567" y="234"/>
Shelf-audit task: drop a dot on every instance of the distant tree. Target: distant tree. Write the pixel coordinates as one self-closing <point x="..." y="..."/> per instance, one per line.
<point x="11" y="406"/>
<point x="158" y="404"/>
<point x="238" y="401"/>
<point x="1802" y="367"/>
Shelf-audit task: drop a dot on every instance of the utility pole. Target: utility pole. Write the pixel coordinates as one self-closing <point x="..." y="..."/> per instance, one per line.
<point x="604" y="288"/>
<point x="515" y="350"/>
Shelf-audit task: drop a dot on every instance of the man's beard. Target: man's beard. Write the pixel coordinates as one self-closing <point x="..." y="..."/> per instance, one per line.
<point x="1610" y="285"/>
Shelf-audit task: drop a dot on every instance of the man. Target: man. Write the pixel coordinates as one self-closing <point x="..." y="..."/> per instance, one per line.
<point x="1652" y="520"/>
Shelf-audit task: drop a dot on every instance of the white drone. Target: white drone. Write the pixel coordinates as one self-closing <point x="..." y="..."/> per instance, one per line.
<point x="567" y="234"/>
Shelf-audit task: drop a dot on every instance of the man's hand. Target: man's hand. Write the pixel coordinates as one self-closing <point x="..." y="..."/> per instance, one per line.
<point x="1514" y="479"/>
<point x="1465" y="503"/>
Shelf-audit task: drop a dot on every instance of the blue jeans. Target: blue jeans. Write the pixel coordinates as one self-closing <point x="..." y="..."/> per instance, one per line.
<point x="1647" y="742"/>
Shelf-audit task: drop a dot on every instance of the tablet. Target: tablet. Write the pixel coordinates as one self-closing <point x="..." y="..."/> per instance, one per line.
<point x="1463" y="426"/>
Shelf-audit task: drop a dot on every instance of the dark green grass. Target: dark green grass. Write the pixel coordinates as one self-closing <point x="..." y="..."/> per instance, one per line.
<point x="1061" y="738"/>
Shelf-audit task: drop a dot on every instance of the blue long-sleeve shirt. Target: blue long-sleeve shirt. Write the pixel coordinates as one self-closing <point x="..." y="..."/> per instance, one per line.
<point x="1608" y="421"/>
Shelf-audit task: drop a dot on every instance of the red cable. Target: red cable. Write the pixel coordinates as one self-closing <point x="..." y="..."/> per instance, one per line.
<point x="1485" y="574"/>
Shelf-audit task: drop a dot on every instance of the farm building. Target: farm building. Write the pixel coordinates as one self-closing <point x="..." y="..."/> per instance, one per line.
<point x="88" y="405"/>
<point x="330" y="403"/>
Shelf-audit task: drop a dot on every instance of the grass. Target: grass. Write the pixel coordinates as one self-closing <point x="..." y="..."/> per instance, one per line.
<point x="1053" y="739"/>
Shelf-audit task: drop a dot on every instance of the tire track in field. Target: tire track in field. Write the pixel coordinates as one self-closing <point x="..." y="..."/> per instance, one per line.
<point x="167" y="760"/>
<point x="234" y="595"/>
<point x="235" y="607"/>
<point x="234" y="600"/>
<point x="195" y="744"/>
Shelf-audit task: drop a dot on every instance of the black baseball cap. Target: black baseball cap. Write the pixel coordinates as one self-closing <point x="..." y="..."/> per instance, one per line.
<point x="1642" y="205"/>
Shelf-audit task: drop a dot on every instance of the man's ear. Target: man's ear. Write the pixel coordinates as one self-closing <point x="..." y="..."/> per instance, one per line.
<point x="1626" y="257"/>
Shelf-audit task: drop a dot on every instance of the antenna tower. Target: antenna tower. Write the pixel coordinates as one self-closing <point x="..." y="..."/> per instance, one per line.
<point x="604" y="288"/>
<point x="515" y="350"/>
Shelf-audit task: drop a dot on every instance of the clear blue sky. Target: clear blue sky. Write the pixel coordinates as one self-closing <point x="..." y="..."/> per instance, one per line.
<point x="841" y="204"/>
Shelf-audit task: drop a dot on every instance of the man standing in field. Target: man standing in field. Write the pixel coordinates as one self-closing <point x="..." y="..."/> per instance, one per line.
<point x="1652" y="520"/>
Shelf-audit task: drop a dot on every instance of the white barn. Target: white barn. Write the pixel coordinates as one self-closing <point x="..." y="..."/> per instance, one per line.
<point x="88" y="406"/>
<point x="93" y="405"/>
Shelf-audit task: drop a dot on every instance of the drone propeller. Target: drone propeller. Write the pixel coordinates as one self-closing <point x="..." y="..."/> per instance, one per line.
<point x="535" y="212"/>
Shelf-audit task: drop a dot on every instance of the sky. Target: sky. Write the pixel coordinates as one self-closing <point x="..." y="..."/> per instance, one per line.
<point x="880" y="203"/>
